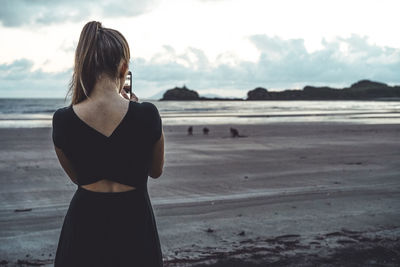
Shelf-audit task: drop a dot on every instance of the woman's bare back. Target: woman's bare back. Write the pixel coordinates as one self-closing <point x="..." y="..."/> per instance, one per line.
<point x="104" y="117"/>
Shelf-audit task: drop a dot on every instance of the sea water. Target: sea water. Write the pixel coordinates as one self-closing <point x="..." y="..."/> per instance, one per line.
<point x="31" y="112"/>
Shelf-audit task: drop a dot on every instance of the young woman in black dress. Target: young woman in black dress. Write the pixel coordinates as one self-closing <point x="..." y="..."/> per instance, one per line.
<point x="108" y="143"/>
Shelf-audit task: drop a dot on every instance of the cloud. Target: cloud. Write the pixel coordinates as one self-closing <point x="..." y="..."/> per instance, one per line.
<point x="282" y="64"/>
<point x="14" y="13"/>
<point x="342" y="60"/>
<point x="212" y="1"/>
<point x="18" y="80"/>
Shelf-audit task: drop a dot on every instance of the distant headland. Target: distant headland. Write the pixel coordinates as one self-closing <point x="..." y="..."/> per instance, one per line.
<point x="361" y="90"/>
<point x="183" y="93"/>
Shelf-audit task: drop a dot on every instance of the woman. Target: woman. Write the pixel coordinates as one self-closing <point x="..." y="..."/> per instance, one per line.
<point x="108" y="144"/>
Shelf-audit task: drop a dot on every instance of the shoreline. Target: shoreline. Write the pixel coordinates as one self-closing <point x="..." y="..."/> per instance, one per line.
<point x="239" y="120"/>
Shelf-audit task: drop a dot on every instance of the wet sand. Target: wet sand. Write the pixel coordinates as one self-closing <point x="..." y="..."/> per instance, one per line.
<point x="287" y="194"/>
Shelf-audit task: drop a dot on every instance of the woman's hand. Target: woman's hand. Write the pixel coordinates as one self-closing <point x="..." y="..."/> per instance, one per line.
<point x="132" y="98"/>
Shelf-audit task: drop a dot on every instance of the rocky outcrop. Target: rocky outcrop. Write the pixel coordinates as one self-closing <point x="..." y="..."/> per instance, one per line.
<point x="258" y="94"/>
<point x="360" y="90"/>
<point x="312" y="92"/>
<point x="369" y="89"/>
<point x="183" y="93"/>
<point x="366" y="84"/>
<point x="179" y="93"/>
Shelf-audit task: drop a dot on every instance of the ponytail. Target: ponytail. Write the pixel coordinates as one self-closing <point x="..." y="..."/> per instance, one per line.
<point x="99" y="51"/>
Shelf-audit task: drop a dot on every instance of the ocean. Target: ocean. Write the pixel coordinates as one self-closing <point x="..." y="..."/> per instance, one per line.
<point x="34" y="112"/>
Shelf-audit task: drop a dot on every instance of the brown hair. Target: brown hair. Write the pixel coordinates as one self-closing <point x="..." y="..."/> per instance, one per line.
<point x="99" y="51"/>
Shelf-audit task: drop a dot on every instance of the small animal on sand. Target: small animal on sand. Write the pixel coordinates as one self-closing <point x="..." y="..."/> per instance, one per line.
<point x="190" y="130"/>
<point x="205" y="130"/>
<point x="235" y="133"/>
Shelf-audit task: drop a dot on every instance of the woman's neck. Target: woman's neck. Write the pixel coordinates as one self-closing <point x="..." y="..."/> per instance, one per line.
<point x="105" y="89"/>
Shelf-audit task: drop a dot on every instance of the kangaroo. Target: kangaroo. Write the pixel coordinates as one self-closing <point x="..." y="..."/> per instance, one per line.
<point x="235" y="133"/>
<point x="190" y="130"/>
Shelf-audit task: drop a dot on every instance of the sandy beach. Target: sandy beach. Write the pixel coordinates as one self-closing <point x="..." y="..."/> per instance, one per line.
<point x="293" y="194"/>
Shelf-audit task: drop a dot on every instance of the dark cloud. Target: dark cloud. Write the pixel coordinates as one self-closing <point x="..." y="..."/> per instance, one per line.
<point x="282" y="64"/>
<point x="14" y="13"/>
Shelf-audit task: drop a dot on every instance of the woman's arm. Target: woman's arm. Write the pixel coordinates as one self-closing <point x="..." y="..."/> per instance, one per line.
<point x="65" y="163"/>
<point x="157" y="163"/>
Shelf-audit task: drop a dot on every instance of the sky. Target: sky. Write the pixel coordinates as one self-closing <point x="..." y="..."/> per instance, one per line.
<point x="219" y="47"/>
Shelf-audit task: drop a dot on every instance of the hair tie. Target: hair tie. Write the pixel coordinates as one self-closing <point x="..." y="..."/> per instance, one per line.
<point x="99" y="28"/>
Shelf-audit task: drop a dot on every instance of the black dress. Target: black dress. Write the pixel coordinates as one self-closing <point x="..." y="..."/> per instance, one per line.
<point x="109" y="229"/>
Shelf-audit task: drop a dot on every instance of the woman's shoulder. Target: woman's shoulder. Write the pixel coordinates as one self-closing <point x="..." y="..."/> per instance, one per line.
<point x="146" y="105"/>
<point x="62" y="113"/>
<point x="148" y="108"/>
